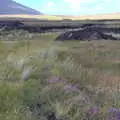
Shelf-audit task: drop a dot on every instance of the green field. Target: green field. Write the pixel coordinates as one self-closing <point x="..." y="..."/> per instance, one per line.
<point x="41" y="79"/>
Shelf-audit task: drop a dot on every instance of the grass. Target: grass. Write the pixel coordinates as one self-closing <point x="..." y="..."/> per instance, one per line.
<point x="45" y="80"/>
<point x="44" y="17"/>
<point x="60" y="17"/>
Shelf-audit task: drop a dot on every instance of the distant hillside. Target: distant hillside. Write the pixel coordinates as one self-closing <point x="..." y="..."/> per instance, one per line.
<point x="10" y="7"/>
<point x="91" y="17"/>
<point x="98" y="16"/>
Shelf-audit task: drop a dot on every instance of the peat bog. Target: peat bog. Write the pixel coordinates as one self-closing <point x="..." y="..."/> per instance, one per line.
<point x="59" y="70"/>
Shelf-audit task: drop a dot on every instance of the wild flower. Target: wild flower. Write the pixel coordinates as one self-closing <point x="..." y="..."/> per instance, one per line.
<point x="114" y="114"/>
<point x="70" y="87"/>
<point x="112" y="110"/>
<point x="93" y="111"/>
<point x="54" y="79"/>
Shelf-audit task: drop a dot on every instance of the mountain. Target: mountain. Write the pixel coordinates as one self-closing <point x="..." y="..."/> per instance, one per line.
<point x="10" y="7"/>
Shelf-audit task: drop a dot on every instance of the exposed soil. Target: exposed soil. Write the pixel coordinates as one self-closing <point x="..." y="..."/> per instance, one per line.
<point x="89" y="33"/>
<point x="82" y="32"/>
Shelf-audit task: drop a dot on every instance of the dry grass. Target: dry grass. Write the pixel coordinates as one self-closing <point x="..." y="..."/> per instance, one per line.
<point x="98" y="16"/>
<point x="60" y="17"/>
<point x="43" y="17"/>
<point x="67" y="78"/>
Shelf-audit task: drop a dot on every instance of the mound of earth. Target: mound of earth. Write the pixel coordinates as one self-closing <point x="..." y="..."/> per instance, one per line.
<point x="89" y="33"/>
<point x="12" y="24"/>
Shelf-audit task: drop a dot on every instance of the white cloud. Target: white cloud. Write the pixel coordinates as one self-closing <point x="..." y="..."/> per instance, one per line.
<point x="94" y="6"/>
<point x="75" y="5"/>
<point x="48" y="6"/>
<point x="79" y="1"/>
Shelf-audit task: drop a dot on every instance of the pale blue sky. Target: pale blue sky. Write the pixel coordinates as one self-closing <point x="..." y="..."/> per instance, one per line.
<point x="73" y="7"/>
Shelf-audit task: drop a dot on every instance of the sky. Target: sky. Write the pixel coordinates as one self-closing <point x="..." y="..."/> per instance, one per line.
<point x="73" y="7"/>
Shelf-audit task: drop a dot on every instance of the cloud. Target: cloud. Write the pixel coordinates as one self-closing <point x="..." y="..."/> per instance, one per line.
<point x="92" y="6"/>
<point x="73" y="7"/>
<point x="49" y="6"/>
<point x="76" y="5"/>
<point x="79" y="1"/>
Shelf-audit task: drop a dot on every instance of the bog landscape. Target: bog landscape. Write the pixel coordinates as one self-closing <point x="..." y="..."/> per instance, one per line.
<point x="58" y="67"/>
